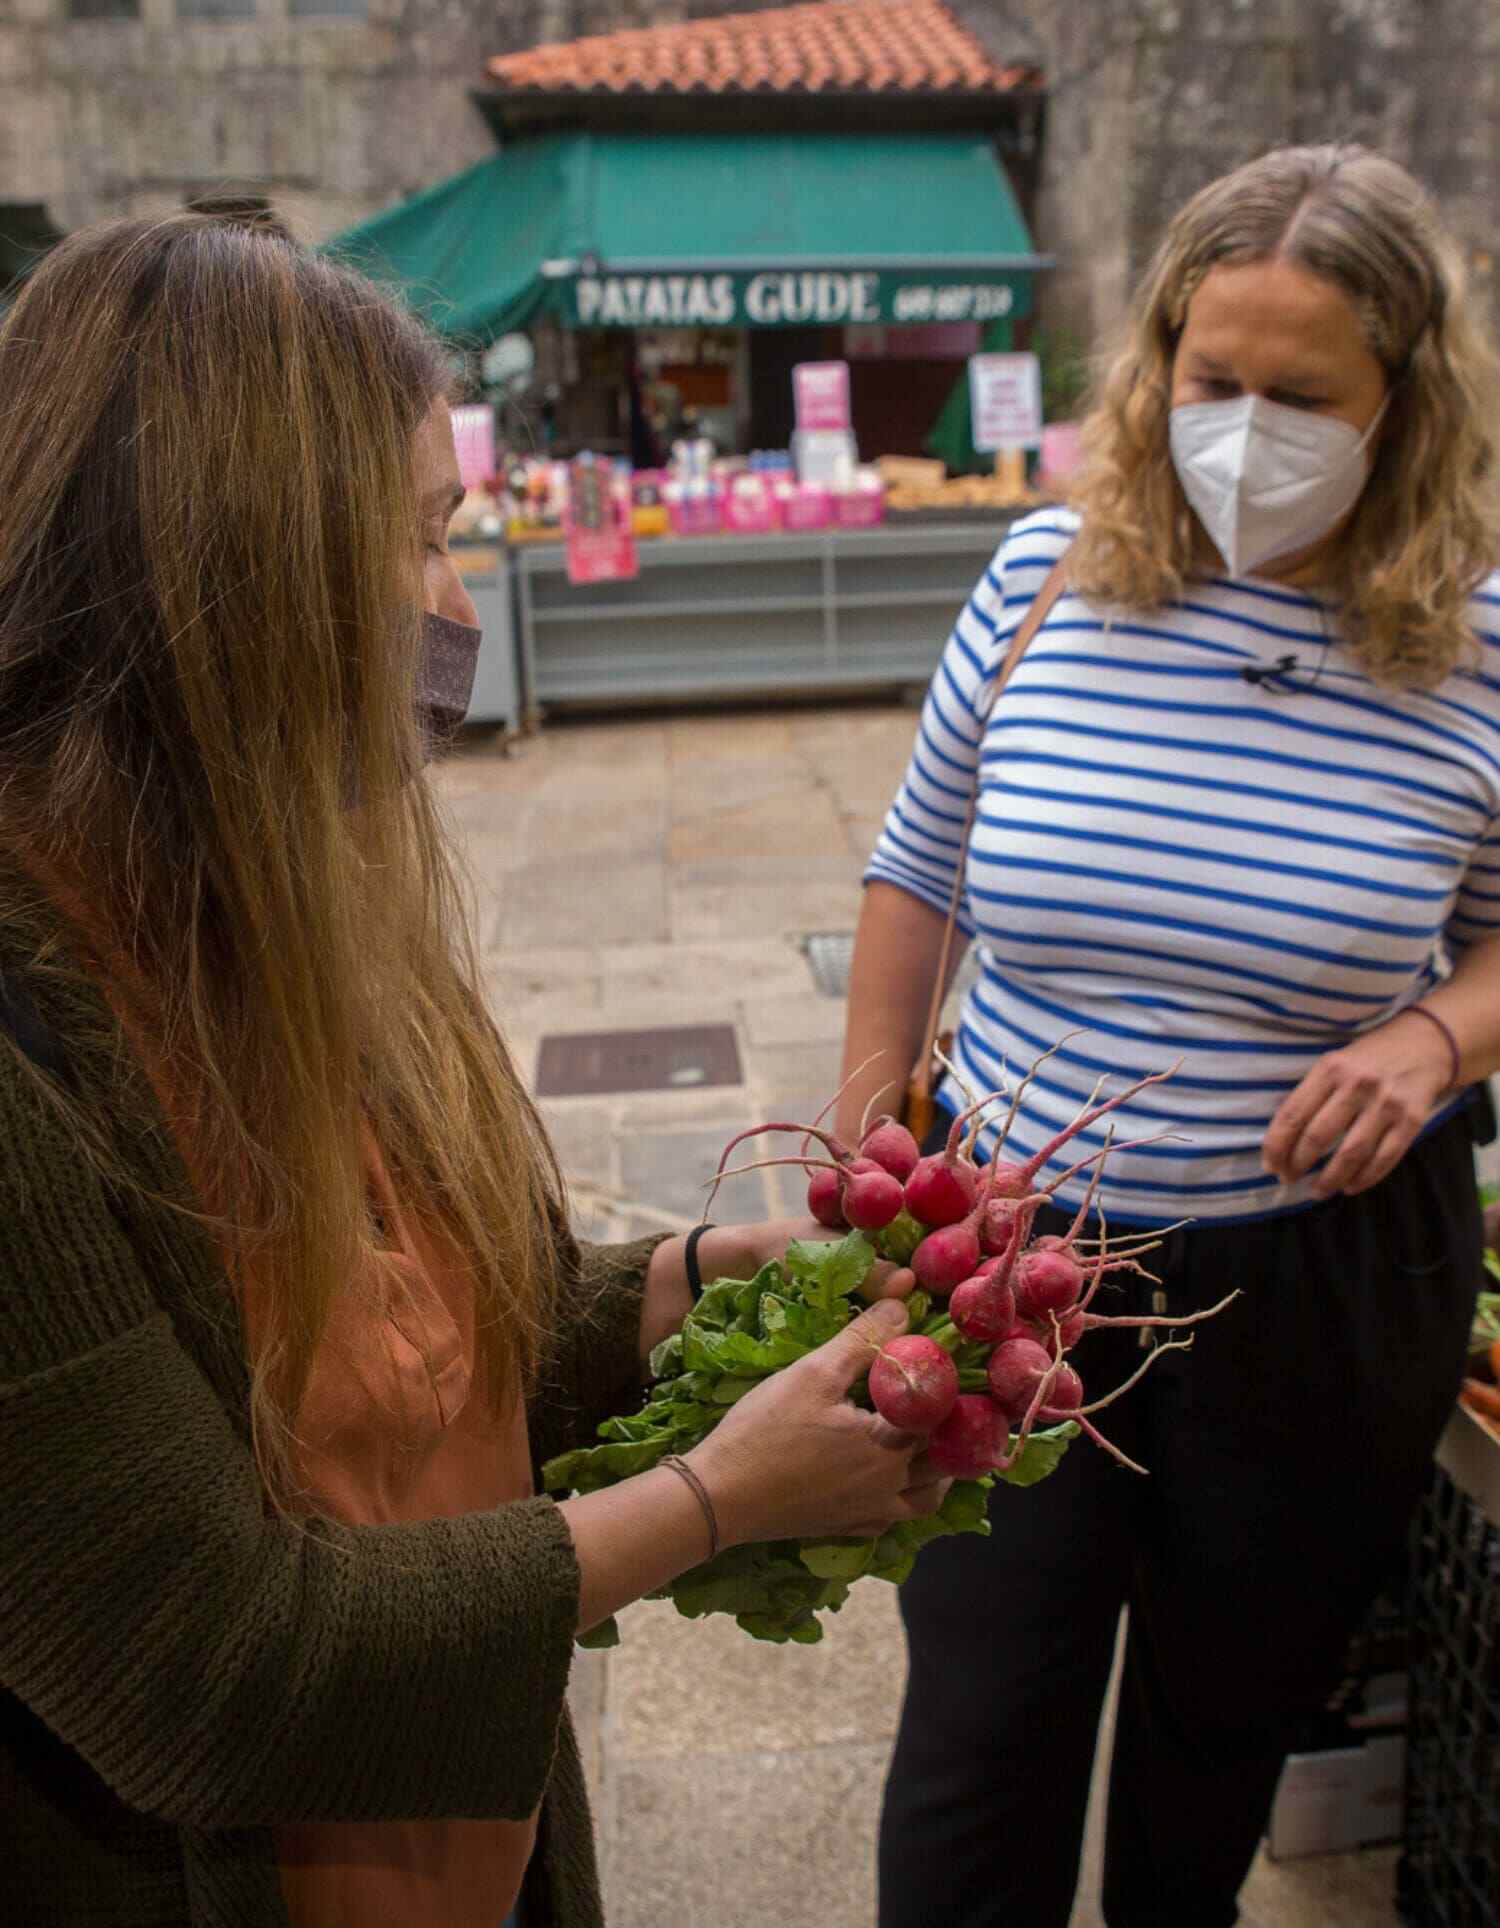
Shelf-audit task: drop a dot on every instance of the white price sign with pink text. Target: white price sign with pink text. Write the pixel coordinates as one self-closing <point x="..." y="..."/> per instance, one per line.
<point x="1005" y="401"/>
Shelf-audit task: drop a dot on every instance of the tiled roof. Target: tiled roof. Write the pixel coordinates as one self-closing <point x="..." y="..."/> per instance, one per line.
<point x="826" y="46"/>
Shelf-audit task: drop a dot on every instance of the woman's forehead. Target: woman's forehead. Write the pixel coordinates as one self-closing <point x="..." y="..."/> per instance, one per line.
<point x="1274" y="310"/>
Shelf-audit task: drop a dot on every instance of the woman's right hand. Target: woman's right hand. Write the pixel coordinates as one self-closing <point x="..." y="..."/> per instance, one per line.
<point x="794" y="1459"/>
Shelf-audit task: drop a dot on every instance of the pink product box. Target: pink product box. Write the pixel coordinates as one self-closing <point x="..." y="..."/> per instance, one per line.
<point x="861" y="510"/>
<point x="696" y="517"/>
<point x="748" y="517"/>
<point x="806" y="508"/>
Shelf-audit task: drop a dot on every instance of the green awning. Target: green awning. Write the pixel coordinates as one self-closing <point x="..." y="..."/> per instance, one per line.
<point x="727" y="230"/>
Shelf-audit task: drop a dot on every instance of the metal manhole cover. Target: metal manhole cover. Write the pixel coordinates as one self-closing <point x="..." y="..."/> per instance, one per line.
<point x="594" y="1064"/>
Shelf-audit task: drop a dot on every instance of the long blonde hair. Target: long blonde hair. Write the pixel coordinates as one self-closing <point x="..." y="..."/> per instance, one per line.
<point x="210" y="570"/>
<point x="1426" y="530"/>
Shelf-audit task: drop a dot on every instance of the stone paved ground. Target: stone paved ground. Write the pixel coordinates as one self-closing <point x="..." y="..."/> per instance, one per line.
<point x="643" y="872"/>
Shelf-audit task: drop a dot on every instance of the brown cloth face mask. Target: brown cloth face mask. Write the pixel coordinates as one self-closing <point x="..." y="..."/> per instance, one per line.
<point x="450" y="655"/>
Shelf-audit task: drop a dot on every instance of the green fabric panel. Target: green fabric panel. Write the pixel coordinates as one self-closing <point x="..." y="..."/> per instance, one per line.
<point x="952" y="437"/>
<point x="801" y="198"/>
<point x="469" y="251"/>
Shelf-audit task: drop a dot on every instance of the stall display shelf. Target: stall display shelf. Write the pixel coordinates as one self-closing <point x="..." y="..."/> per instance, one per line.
<point x="1450" y="1869"/>
<point x="832" y="609"/>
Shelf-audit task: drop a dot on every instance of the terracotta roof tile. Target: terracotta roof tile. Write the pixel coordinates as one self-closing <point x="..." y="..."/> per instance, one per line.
<point x="832" y="46"/>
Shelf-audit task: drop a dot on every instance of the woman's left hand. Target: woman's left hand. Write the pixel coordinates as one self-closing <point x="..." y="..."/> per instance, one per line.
<point x="1369" y="1099"/>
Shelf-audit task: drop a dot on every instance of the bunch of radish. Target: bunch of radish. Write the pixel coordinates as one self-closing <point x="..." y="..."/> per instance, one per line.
<point x="965" y="1228"/>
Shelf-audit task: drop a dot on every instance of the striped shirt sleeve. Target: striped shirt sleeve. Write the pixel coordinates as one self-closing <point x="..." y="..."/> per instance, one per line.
<point x="918" y="848"/>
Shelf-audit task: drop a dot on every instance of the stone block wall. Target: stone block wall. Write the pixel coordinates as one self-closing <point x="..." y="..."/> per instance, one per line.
<point x="1150" y="99"/>
<point x="331" y="116"/>
<point x="336" y="116"/>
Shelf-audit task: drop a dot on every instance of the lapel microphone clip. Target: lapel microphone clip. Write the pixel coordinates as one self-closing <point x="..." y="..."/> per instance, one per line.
<point x="1258" y="673"/>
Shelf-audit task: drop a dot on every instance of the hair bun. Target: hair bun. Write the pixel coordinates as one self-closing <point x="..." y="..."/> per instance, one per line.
<point x="251" y="211"/>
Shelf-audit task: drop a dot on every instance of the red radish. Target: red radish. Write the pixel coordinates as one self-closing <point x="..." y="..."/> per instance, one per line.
<point x="871" y="1198"/>
<point x="1069" y="1330"/>
<point x="1015" y="1370"/>
<point x="892" y="1147"/>
<point x="943" y="1186"/>
<point x="914" y="1383"/>
<point x="1064" y="1395"/>
<point x="972" y="1440"/>
<point x="995" y="1226"/>
<point x="982" y="1309"/>
<point x="1047" y="1282"/>
<point x="941" y="1190"/>
<point x="946" y="1257"/>
<point x="825" y="1194"/>
<point x="1010" y="1179"/>
<point x="998" y="1222"/>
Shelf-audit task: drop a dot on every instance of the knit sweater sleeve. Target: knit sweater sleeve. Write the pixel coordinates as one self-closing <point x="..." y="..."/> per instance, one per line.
<point x="219" y="1665"/>
<point x="594" y="1368"/>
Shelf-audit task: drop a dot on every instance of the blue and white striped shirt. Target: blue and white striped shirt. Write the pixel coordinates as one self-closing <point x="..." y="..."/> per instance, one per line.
<point x="1187" y="865"/>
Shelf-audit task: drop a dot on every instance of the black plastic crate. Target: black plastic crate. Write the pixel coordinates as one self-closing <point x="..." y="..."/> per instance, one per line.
<point x="1450" y="1868"/>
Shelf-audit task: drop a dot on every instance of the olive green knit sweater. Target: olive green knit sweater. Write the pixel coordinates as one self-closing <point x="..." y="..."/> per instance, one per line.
<point x="180" y="1668"/>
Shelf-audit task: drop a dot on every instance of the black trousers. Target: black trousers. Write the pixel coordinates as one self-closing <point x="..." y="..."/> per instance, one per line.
<point x="1286" y="1452"/>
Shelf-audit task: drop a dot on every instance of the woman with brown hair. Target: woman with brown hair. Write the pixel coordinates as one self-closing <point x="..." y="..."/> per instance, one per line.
<point x="289" y="1309"/>
<point x="1237" y="810"/>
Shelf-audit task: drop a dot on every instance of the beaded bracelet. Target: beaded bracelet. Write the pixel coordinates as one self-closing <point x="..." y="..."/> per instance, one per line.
<point x="681" y="1466"/>
<point x="1422" y="1011"/>
<point x="690" y="1261"/>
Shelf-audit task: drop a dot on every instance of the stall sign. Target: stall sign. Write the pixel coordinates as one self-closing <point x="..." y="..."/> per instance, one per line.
<point x="792" y="298"/>
<point x="1005" y="402"/>
<point x="820" y="395"/>
<point x="474" y="443"/>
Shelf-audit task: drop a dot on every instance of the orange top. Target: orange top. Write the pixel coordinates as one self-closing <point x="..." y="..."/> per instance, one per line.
<point x="389" y="1431"/>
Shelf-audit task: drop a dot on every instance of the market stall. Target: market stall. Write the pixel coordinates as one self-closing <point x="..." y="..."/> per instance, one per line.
<point x="672" y="302"/>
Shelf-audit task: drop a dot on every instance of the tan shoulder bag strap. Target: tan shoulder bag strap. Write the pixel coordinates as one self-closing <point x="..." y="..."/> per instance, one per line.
<point x="1041" y="608"/>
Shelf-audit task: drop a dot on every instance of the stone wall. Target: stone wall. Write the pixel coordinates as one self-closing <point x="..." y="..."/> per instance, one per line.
<point x="331" y="117"/>
<point x="535" y="23"/>
<point x="334" y="117"/>
<point x="337" y="117"/>
<point x="1149" y="99"/>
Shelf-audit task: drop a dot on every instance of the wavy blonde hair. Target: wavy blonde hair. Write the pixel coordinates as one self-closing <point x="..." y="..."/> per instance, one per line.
<point x="210" y="597"/>
<point x="1425" y="532"/>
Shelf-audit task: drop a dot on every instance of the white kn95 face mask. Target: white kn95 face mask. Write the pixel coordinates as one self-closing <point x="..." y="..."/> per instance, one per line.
<point x="1266" y="480"/>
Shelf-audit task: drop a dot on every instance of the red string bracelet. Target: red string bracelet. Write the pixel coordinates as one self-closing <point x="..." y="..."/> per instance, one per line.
<point x="1421" y="1011"/>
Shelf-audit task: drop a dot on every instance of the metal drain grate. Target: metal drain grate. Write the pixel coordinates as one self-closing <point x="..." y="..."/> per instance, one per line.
<point x="595" y="1064"/>
<point x="831" y="953"/>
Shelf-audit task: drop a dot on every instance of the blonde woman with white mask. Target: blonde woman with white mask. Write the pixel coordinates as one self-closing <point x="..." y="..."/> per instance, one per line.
<point x="1237" y="806"/>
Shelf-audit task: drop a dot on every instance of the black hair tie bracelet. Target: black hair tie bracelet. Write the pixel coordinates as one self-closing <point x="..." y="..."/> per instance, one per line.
<point x="690" y="1261"/>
